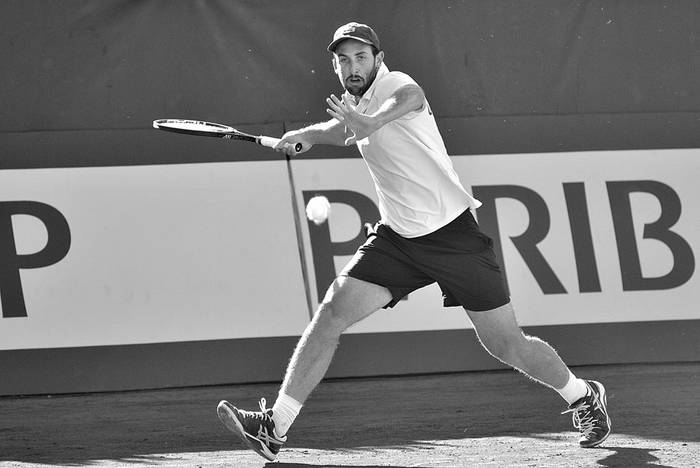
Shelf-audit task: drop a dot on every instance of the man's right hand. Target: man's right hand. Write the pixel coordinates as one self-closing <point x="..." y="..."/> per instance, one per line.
<point x="289" y="142"/>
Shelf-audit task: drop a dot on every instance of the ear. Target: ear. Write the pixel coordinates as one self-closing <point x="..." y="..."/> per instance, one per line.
<point x="379" y="59"/>
<point x="335" y="63"/>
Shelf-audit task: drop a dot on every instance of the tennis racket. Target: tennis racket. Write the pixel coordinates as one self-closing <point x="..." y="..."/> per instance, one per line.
<point x="211" y="129"/>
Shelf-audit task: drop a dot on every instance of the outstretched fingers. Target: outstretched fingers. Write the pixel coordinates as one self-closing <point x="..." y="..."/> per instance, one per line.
<point x="336" y="108"/>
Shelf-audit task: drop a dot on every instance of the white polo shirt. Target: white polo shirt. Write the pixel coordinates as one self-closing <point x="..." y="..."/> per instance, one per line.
<point x="418" y="189"/>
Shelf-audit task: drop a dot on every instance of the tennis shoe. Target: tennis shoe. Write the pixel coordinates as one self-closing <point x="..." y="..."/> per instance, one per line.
<point x="255" y="428"/>
<point x="590" y="415"/>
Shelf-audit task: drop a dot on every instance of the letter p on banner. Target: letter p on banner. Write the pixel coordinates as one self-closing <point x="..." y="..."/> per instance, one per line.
<point x="56" y="248"/>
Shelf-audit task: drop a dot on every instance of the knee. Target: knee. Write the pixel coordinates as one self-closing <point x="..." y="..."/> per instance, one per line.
<point x="329" y="321"/>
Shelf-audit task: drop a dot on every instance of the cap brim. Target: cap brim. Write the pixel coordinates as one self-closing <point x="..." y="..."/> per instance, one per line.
<point x="331" y="47"/>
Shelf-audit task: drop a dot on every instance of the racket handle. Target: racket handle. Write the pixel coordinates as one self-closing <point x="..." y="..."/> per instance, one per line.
<point x="272" y="142"/>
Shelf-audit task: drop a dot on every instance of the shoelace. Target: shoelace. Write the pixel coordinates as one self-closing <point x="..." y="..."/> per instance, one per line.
<point x="582" y="417"/>
<point x="264" y="413"/>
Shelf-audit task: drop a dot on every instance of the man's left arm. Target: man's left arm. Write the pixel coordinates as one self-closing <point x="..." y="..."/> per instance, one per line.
<point x="406" y="99"/>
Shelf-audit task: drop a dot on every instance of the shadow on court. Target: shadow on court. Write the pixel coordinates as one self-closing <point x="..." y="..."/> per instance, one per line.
<point x="278" y="464"/>
<point x="649" y="402"/>
<point x="626" y="456"/>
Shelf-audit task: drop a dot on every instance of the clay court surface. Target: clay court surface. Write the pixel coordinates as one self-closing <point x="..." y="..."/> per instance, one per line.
<point x="497" y="419"/>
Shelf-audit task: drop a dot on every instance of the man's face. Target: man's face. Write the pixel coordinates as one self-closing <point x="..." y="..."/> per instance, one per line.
<point x="356" y="65"/>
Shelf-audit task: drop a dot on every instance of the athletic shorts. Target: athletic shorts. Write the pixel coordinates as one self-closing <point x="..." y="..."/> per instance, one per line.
<point x="458" y="256"/>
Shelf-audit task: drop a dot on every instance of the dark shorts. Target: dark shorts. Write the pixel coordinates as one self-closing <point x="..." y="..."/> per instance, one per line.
<point x="458" y="257"/>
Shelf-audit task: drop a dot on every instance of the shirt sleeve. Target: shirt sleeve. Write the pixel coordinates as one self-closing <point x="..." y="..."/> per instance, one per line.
<point x="390" y="82"/>
<point x="388" y="85"/>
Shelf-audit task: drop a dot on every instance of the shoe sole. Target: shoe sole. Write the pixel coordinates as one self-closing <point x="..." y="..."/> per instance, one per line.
<point x="227" y="416"/>
<point x="602" y="395"/>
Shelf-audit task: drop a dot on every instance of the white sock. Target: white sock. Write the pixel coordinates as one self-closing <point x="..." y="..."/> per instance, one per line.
<point x="574" y="389"/>
<point x="284" y="412"/>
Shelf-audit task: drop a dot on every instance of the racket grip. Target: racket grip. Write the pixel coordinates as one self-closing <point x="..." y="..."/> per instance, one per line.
<point x="271" y="142"/>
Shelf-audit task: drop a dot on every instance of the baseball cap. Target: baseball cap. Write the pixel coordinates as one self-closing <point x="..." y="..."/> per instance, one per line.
<point x="358" y="31"/>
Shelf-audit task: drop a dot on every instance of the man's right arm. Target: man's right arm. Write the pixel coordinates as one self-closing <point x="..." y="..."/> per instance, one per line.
<point x="331" y="132"/>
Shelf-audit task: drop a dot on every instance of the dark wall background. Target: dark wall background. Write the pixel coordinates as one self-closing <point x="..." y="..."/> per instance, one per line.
<point x="82" y="80"/>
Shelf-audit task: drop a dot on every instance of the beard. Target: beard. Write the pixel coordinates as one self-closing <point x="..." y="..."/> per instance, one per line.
<point x="357" y="86"/>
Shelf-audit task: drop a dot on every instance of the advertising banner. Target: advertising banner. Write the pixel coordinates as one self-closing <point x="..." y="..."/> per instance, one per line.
<point x="150" y="254"/>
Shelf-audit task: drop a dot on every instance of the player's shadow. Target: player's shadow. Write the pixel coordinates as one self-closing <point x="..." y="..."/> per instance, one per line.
<point x="629" y="456"/>
<point x="307" y="465"/>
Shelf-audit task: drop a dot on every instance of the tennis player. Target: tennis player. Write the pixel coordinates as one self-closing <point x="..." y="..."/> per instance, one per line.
<point x="426" y="234"/>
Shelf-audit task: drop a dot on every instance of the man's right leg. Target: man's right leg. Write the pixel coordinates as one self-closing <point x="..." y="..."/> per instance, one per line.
<point x="347" y="301"/>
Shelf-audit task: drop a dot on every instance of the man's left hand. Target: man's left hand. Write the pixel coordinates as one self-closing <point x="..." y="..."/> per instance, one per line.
<point x="345" y="111"/>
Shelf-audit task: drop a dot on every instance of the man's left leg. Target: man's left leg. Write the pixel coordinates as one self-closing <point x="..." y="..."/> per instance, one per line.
<point x="500" y="334"/>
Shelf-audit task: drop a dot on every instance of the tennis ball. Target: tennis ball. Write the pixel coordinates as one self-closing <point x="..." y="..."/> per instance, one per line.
<point x="318" y="209"/>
